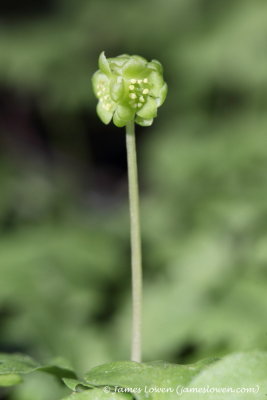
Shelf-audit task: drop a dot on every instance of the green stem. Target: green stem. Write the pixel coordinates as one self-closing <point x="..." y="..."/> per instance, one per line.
<point x="135" y="243"/>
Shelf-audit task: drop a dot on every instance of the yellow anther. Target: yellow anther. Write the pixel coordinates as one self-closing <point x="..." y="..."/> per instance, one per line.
<point x="132" y="95"/>
<point x="145" y="80"/>
<point x="131" y="87"/>
<point x="139" y="81"/>
<point x="145" y="91"/>
<point x="133" y="80"/>
<point x="141" y="98"/>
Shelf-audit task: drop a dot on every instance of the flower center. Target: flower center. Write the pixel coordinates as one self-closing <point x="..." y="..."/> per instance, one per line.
<point x="138" y="92"/>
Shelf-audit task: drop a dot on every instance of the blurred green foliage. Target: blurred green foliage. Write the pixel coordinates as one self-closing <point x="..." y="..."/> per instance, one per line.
<point x="64" y="261"/>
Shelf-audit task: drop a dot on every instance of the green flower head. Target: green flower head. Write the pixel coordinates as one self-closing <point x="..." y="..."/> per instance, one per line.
<point x="129" y="88"/>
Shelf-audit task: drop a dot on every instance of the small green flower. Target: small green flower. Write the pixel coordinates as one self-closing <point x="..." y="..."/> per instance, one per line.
<point x="129" y="88"/>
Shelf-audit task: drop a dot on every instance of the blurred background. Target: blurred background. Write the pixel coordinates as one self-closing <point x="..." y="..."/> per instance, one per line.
<point x="64" y="229"/>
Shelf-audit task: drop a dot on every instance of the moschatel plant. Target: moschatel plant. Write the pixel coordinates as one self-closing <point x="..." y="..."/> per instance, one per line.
<point x="129" y="90"/>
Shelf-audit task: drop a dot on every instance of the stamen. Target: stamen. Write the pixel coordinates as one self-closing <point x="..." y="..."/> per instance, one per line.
<point x="145" y="91"/>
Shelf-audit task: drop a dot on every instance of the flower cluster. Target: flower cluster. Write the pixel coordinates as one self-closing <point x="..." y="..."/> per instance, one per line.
<point x="129" y="88"/>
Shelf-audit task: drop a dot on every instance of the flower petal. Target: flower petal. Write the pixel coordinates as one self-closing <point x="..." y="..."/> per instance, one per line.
<point x="117" y="88"/>
<point x="120" y="60"/>
<point x="135" y="67"/>
<point x="157" y="83"/>
<point x="104" y="64"/>
<point x="143" y="122"/>
<point x="149" y="109"/>
<point x="162" y="95"/>
<point x="156" y="66"/>
<point x="99" y="80"/>
<point x="104" y="114"/>
<point x="126" y="113"/>
<point x="118" y="121"/>
<point x="117" y="63"/>
<point x="123" y="115"/>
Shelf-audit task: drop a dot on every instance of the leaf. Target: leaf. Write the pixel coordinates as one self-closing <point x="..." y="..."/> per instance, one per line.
<point x="240" y="370"/>
<point x="17" y="364"/>
<point x="142" y="378"/>
<point x="98" y="394"/>
<point x="76" y="385"/>
<point x="10" y="380"/>
<point x="57" y="371"/>
<point x="38" y="386"/>
<point x="12" y="366"/>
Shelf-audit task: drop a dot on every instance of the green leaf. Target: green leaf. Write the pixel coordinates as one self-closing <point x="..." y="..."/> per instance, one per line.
<point x="76" y="385"/>
<point x="241" y="370"/>
<point x="57" y="371"/>
<point x="12" y="366"/>
<point x="144" y="376"/>
<point x="98" y="394"/>
<point x="10" y="380"/>
<point x="17" y="364"/>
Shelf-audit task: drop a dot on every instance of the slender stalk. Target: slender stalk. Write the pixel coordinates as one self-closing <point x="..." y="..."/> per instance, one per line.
<point x="135" y="243"/>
